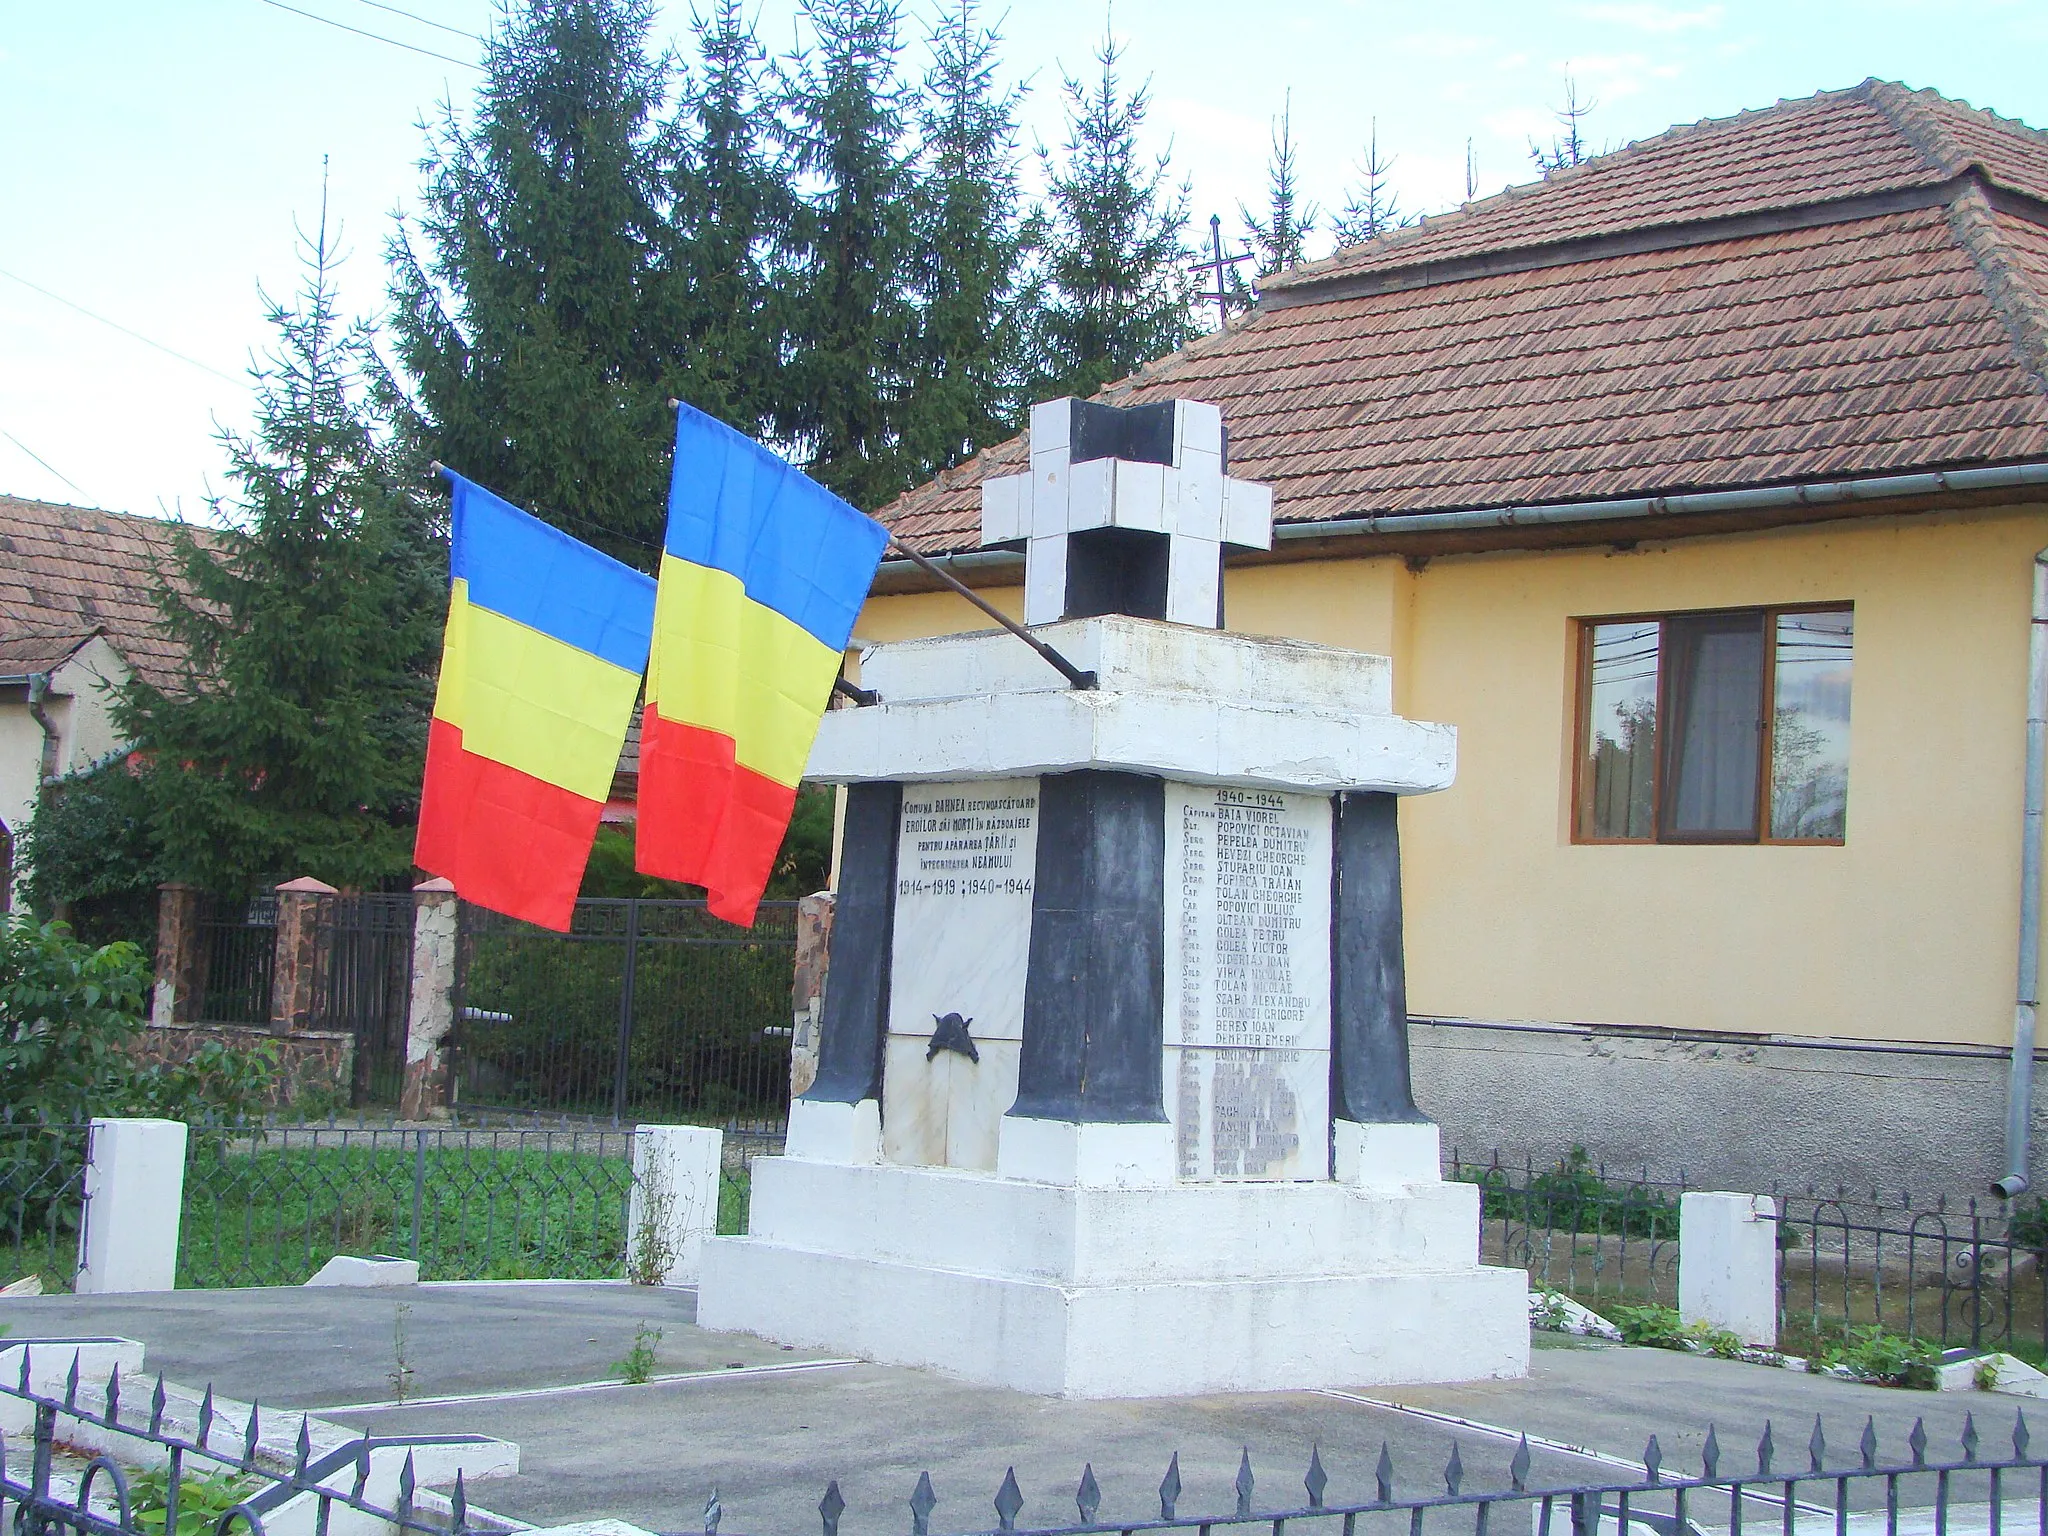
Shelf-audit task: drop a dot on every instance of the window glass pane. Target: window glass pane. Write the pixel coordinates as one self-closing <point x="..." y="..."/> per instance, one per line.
<point x="1714" y="731"/>
<point x="1621" y="731"/>
<point x="1810" y="726"/>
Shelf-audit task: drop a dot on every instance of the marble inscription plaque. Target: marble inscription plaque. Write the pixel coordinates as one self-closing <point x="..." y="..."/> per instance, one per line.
<point x="1248" y="982"/>
<point x="965" y="858"/>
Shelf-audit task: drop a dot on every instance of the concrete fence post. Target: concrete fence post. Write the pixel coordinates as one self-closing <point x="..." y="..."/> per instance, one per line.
<point x="134" y="1193"/>
<point x="675" y="1202"/>
<point x="1728" y="1264"/>
<point x="432" y="1012"/>
<point x="179" y="956"/>
<point x="297" y="963"/>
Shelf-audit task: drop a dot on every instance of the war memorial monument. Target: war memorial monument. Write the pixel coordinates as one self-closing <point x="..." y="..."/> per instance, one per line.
<point x="1113" y="1092"/>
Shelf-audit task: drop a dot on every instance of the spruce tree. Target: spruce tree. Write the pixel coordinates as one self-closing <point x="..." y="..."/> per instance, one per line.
<point x="1568" y="148"/>
<point x="294" y="742"/>
<point x="851" y="325"/>
<point x="1279" y="239"/>
<point x="538" y="324"/>
<point x="1117" y="259"/>
<point x="731" y="207"/>
<point x="1371" y="210"/>
<point x="966" y="269"/>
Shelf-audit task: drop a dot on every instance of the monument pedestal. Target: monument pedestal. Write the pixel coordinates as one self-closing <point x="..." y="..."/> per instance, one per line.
<point x="1112" y="1095"/>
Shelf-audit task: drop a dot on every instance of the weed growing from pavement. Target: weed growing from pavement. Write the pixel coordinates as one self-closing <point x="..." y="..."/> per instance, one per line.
<point x="638" y="1366"/>
<point x="401" y="1369"/>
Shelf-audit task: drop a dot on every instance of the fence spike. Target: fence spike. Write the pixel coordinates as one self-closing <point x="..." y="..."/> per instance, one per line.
<point x="205" y="1415"/>
<point x="249" y="1437"/>
<point x="1244" y="1482"/>
<point x="1518" y="1469"/>
<point x="1383" y="1475"/>
<point x="71" y="1382"/>
<point x="1868" y="1445"/>
<point x="1088" y="1497"/>
<point x="24" y="1370"/>
<point x="1653" y="1460"/>
<point x="1317" y="1479"/>
<point x="1710" y="1454"/>
<point x="1917" y="1442"/>
<point x="1009" y="1500"/>
<point x="407" y="1481"/>
<point x="1817" y="1446"/>
<point x="2020" y="1437"/>
<point x="922" y="1502"/>
<point x="113" y="1413"/>
<point x="1970" y="1436"/>
<point x="1765" y="1449"/>
<point x="713" y="1512"/>
<point x="304" y="1451"/>
<point x="156" y="1406"/>
<point x="831" y="1507"/>
<point x="458" y="1507"/>
<point x="1169" y="1488"/>
<point x="362" y="1465"/>
<point x="1454" y="1471"/>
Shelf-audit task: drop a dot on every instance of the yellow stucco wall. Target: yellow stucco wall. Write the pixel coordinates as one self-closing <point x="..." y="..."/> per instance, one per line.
<point x="1903" y="933"/>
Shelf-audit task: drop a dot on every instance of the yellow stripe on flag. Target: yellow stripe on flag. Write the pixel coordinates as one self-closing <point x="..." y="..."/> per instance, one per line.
<point x="725" y="663"/>
<point x="531" y="702"/>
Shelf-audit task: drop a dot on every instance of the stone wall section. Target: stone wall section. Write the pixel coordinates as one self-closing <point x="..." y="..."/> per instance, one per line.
<point x="316" y="1062"/>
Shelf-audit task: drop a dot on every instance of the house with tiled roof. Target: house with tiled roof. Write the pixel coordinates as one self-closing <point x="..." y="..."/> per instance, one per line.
<point x="78" y="615"/>
<point x="1699" y="487"/>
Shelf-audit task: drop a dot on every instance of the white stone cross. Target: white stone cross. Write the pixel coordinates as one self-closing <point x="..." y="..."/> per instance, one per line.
<point x="1147" y="469"/>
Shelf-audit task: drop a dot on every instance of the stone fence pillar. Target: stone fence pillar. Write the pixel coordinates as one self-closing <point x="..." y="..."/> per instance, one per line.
<point x="134" y="1195"/>
<point x="180" y="957"/>
<point x="432" y="1013"/>
<point x="297" y="962"/>
<point x="1728" y="1264"/>
<point x="807" y="995"/>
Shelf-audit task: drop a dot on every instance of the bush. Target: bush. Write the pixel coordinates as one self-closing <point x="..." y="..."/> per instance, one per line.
<point x="1572" y="1197"/>
<point x="1887" y="1359"/>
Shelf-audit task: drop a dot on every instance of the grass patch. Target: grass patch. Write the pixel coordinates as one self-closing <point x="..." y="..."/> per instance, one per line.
<point x="272" y="1216"/>
<point x="735" y="1186"/>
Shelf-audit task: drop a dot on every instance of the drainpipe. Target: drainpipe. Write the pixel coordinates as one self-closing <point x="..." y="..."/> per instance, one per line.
<point x="2019" y="1090"/>
<point x="39" y="690"/>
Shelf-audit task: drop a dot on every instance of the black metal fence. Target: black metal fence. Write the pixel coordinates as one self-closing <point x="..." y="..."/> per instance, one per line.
<point x="270" y="1207"/>
<point x="93" y="1464"/>
<point x="1967" y="1276"/>
<point x="42" y="1195"/>
<point x="237" y="953"/>
<point x="363" y="984"/>
<point x="644" y="1010"/>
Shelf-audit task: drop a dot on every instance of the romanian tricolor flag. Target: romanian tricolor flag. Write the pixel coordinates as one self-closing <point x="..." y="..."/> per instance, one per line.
<point x="546" y="641"/>
<point x="762" y="575"/>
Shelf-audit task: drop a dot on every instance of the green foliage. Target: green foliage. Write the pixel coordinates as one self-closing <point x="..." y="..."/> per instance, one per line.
<point x="537" y="318"/>
<point x="637" y="1369"/>
<point x="295" y="738"/>
<point x="2027" y="1226"/>
<point x="1650" y="1325"/>
<point x="1279" y="238"/>
<point x="92" y="857"/>
<point x="844" y="117"/>
<point x="967" y="269"/>
<point x="69" y="1015"/>
<point x="202" y="1500"/>
<point x="1873" y="1355"/>
<point x="734" y="1188"/>
<point x="1116" y="252"/>
<point x="1572" y="1197"/>
<point x="1371" y="211"/>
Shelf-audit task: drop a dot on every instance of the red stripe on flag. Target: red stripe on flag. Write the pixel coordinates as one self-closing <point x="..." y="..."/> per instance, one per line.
<point x="507" y="840"/>
<point x="723" y="824"/>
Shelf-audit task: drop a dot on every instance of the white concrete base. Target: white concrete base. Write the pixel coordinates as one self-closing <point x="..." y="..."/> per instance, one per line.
<point x="675" y="1202"/>
<point x="376" y="1270"/>
<point x="1385" y="1156"/>
<point x="134" y="1192"/>
<point x="835" y="1133"/>
<point x="1728" y="1264"/>
<point x="1095" y="1156"/>
<point x="1106" y="1290"/>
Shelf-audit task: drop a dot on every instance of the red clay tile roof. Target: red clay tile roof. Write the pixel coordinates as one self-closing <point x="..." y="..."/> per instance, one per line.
<point x="1873" y="298"/>
<point x="66" y="571"/>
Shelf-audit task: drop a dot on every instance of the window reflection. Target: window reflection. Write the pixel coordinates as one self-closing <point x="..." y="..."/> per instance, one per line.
<point x="1621" y="742"/>
<point x="1810" y="726"/>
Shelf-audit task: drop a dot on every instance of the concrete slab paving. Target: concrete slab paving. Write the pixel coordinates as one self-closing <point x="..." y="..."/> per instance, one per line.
<point x="770" y="1442"/>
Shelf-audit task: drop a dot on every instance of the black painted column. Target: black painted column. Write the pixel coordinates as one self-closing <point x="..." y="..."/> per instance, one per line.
<point x="1368" y="984"/>
<point x="856" y="1021"/>
<point x="1094" y="998"/>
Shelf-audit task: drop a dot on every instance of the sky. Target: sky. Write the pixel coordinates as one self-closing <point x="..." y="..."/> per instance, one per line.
<point x="156" y="158"/>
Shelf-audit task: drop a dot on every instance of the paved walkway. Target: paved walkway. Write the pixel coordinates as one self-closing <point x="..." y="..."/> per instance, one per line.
<point x="768" y="1427"/>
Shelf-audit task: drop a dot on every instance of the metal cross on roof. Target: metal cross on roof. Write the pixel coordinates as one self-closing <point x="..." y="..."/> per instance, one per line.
<point x="1126" y="509"/>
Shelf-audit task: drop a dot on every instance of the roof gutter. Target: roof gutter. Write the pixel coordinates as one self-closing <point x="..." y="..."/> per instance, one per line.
<point x="1809" y="493"/>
